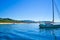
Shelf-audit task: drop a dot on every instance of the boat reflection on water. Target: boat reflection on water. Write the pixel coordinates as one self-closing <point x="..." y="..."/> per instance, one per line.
<point x="49" y="33"/>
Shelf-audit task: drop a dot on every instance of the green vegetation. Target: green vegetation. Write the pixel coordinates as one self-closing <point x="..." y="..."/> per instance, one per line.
<point x="8" y="20"/>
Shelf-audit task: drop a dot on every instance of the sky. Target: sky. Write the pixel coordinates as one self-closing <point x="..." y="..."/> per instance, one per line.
<point x="38" y="10"/>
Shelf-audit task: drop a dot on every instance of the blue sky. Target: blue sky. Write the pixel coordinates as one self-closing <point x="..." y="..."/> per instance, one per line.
<point x="38" y="10"/>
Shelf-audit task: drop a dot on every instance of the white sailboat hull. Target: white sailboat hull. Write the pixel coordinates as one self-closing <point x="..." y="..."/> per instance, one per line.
<point x="50" y="25"/>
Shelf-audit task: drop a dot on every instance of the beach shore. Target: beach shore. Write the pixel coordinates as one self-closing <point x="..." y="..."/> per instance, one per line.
<point x="11" y="23"/>
<point x="14" y="23"/>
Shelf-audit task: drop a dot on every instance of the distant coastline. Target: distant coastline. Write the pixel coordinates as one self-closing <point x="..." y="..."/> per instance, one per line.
<point x="12" y="21"/>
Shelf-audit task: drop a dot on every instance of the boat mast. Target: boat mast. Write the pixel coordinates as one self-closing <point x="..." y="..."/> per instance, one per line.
<point x="53" y="11"/>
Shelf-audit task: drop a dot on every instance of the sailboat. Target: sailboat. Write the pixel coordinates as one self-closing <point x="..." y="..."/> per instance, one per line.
<point x="52" y="23"/>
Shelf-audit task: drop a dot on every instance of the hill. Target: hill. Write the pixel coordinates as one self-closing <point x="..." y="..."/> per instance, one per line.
<point x="8" y="20"/>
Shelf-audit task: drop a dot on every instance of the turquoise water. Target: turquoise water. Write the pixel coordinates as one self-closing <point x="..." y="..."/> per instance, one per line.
<point x="27" y="32"/>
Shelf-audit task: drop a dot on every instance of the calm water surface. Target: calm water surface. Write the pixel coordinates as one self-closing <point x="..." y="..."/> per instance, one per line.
<point x="27" y="32"/>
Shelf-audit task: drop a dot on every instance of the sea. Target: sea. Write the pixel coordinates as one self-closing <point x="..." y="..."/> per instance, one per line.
<point x="27" y="31"/>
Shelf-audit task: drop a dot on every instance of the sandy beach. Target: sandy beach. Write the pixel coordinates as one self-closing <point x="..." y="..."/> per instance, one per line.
<point x="11" y="23"/>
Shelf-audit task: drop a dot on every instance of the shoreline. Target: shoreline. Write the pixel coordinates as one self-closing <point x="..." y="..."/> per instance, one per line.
<point x="11" y="23"/>
<point x="14" y="23"/>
